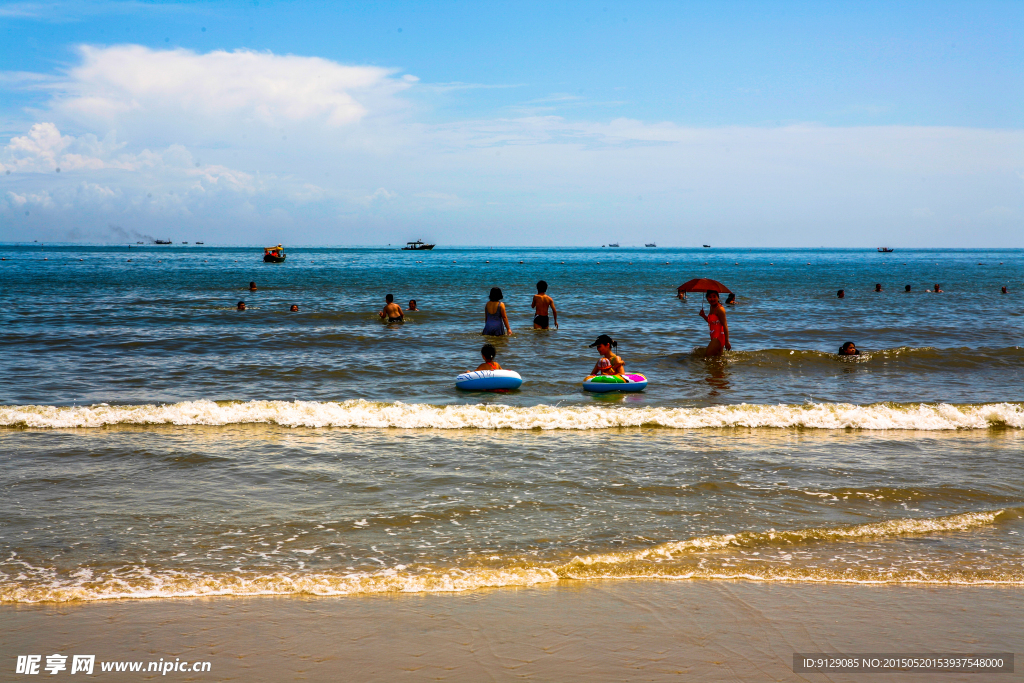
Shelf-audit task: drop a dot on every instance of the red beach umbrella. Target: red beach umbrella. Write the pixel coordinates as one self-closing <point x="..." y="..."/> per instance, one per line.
<point x="703" y="284"/>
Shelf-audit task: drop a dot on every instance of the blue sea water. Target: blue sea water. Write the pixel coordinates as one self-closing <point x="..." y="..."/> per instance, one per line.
<point x="157" y="442"/>
<point x="142" y="325"/>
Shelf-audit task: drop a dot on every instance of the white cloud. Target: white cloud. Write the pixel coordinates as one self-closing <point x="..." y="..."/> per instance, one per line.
<point x="379" y="195"/>
<point x="243" y="139"/>
<point x="117" y="84"/>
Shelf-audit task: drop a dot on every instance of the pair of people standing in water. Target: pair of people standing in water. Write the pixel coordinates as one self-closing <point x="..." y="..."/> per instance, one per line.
<point x="496" y="319"/>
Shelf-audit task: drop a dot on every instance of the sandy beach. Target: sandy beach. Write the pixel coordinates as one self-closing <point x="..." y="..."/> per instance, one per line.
<point x="604" y="631"/>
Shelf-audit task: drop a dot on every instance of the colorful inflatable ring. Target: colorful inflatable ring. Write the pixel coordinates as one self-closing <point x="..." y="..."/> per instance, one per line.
<point x="606" y="383"/>
<point x="488" y="380"/>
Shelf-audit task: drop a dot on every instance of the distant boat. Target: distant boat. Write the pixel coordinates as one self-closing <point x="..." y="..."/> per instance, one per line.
<point x="652" y="244"/>
<point x="418" y="245"/>
<point x="885" y="250"/>
<point x="614" y="245"/>
<point x="707" y="246"/>
<point x="184" y="242"/>
<point x="140" y="243"/>
<point x="163" y="242"/>
<point x="200" y="242"/>
<point x="274" y="254"/>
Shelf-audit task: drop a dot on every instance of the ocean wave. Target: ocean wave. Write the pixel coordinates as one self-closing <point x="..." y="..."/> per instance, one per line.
<point x="748" y="539"/>
<point x="361" y="413"/>
<point x="719" y="557"/>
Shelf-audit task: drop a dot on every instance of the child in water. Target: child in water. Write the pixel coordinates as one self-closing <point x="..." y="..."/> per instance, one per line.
<point x="488" y="353"/>
<point x="609" y="363"/>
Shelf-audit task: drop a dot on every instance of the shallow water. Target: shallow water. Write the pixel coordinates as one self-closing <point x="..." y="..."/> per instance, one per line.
<point x="156" y="442"/>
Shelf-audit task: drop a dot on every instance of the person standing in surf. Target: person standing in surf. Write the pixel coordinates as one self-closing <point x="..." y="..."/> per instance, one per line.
<point x="391" y="312"/>
<point x="495" y="318"/>
<point x="718" y="327"/>
<point x="542" y="302"/>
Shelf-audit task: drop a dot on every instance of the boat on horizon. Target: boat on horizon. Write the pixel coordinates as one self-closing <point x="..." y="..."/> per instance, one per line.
<point x="614" y="245"/>
<point x="885" y="250"/>
<point x="707" y="246"/>
<point x="652" y="244"/>
<point x="163" y="242"/>
<point x="418" y="245"/>
<point x="274" y="254"/>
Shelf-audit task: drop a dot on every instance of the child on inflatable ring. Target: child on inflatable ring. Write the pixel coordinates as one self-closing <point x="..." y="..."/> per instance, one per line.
<point x="609" y="363"/>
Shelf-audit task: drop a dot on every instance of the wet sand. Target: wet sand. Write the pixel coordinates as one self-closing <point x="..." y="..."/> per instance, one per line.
<point x="597" y="631"/>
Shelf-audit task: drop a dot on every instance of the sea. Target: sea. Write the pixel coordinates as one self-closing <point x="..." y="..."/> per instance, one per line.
<point x="156" y="442"/>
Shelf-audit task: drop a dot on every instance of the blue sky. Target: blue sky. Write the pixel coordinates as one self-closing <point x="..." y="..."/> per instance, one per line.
<point x="746" y="124"/>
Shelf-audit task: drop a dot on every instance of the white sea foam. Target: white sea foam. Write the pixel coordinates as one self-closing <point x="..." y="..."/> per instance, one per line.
<point x="888" y="529"/>
<point x="360" y="413"/>
<point x="695" y="558"/>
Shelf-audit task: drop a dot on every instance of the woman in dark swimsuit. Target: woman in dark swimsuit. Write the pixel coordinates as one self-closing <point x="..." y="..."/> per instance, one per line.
<point x="495" y="318"/>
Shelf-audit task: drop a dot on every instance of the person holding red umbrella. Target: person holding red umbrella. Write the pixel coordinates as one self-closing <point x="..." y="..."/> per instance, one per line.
<point x="717" y="324"/>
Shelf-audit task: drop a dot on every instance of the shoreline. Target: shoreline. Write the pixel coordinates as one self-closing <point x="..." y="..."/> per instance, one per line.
<point x="595" y="631"/>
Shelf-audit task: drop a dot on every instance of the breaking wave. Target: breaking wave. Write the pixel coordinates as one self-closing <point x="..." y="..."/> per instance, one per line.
<point x="361" y="413"/>
<point x="721" y="557"/>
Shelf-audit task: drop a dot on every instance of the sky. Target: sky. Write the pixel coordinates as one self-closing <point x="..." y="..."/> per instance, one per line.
<point x="742" y="124"/>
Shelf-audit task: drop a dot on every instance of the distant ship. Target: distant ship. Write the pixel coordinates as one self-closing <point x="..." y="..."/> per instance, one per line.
<point x="418" y="245"/>
<point x="707" y="246"/>
<point x="163" y="242"/>
<point x="274" y="254"/>
<point x="184" y="242"/>
<point x="652" y="244"/>
<point x="200" y="242"/>
<point x="885" y="250"/>
<point x="614" y="245"/>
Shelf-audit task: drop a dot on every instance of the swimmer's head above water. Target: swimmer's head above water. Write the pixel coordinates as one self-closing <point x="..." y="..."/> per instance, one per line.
<point x="252" y="286"/>
<point x="848" y="349"/>
<point x="241" y="305"/>
<point x="294" y="308"/>
<point x="841" y="294"/>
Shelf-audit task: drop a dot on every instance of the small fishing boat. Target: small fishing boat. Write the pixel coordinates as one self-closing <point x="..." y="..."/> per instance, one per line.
<point x="652" y="244"/>
<point x="274" y="254"/>
<point x="163" y="242"/>
<point x="614" y="245"/>
<point x="418" y="245"/>
<point x="200" y="242"/>
<point x="707" y="246"/>
<point x="885" y="250"/>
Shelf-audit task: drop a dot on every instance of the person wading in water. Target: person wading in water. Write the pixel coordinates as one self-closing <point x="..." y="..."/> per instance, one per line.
<point x="717" y="326"/>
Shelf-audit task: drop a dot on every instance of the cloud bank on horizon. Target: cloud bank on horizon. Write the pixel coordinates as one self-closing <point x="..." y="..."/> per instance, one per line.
<point x="239" y="145"/>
